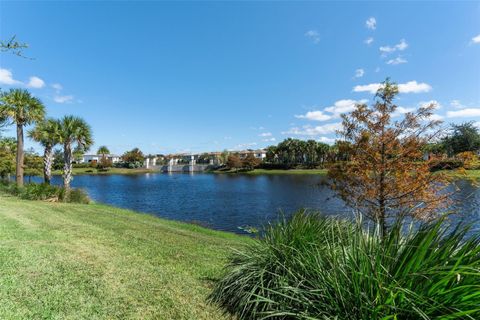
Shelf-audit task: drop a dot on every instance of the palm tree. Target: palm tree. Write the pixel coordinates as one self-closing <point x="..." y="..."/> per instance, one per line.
<point x="103" y="150"/>
<point x="20" y="107"/>
<point x="47" y="133"/>
<point x="73" y="130"/>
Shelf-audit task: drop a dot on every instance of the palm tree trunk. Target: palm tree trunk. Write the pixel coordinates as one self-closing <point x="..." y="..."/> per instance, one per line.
<point x="67" y="167"/>
<point x="47" y="164"/>
<point x="19" y="168"/>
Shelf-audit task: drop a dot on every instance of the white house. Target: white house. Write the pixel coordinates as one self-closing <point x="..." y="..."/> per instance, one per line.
<point x="87" y="158"/>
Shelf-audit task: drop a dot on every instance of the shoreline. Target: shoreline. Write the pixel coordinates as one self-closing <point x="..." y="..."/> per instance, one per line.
<point x="470" y="174"/>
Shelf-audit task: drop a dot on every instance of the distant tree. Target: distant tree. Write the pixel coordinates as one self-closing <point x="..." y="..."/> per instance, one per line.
<point x="234" y="162"/>
<point x="250" y="162"/>
<point x="322" y="152"/>
<point x="103" y="150"/>
<point x="384" y="178"/>
<point x="224" y="156"/>
<point x="271" y="154"/>
<point x="47" y="133"/>
<point x="8" y="147"/>
<point x="33" y="165"/>
<point x="133" y="158"/>
<point x="8" y="144"/>
<point x="21" y="108"/>
<point x="104" y="163"/>
<point x="73" y="131"/>
<point x="57" y="159"/>
<point x="464" y="137"/>
<point x="436" y="148"/>
<point x="311" y="156"/>
<point x="78" y="153"/>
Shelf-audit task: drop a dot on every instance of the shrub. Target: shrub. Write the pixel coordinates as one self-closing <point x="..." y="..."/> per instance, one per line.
<point x="446" y="164"/>
<point x="77" y="196"/>
<point x="33" y="191"/>
<point x="46" y="192"/>
<point x="81" y="165"/>
<point x="311" y="267"/>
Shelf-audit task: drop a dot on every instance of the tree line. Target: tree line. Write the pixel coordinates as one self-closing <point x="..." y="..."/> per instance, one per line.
<point x="20" y="108"/>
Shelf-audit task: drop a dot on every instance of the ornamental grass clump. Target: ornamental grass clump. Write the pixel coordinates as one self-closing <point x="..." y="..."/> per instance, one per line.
<point x="312" y="267"/>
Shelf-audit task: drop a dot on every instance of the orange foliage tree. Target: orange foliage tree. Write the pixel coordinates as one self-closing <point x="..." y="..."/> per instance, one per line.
<point x="385" y="177"/>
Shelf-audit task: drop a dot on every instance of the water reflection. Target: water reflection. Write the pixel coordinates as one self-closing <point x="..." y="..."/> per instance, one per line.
<point x="227" y="202"/>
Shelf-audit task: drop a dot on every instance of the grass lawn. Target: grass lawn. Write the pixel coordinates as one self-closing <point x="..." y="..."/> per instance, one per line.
<point x="473" y="174"/>
<point x="67" y="261"/>
<point x="93" y="171"/>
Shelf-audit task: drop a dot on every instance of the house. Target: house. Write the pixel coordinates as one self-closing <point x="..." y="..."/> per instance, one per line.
<point x="259" y="154"/>
<point x="87" y="158"/>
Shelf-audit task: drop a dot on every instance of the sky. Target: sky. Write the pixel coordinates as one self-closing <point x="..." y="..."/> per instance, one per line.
<point x="202" y="76"/>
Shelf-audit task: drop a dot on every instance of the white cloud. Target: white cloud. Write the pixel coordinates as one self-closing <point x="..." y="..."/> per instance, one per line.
<point x="265" y="134"/>
<point x="57" y="86"/>
<point x="414" y="87"/>
<point x="314" y="131"/>
<point x="397" y="60"/>
<point x="6" y="77"/>
<point x="435" y="103"/>
<point x="476" y="39"/>
<point x="403" y="110"/>
<point x="402" y="45"/>
<point x="313" y="35"/>
<point x="245" y="145"/>
<point x="371" y="23"/>
<point x="456" y="104"/>
<point x="36" y="82"/>
<point x="272" y="139"/>
<point x="409" y="87"/>
<point x="372" y="88"/>
<point x="436" y="117"/>
<point x="314" y="115"/>
<point x="343" y="106"/>
<point x="334" y="111"/>
<point x="326" y="140"/>
<point x="63" y="99"/>
<point x="368" y="41"/>
<point x="359" y="73"/>
<point x="464" y="113"/>
<point x="377" y="69"/>
<point x="477" y="124"/>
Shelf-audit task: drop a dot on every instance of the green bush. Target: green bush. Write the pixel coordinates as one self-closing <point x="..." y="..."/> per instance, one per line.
<point x="311" y="267"/>
<point x="77" y="196"/>
<point x="46" y="192"/>
<point x="81" y="165"/>
<point x="446" y="164"/>
<point x="33" y="191"/>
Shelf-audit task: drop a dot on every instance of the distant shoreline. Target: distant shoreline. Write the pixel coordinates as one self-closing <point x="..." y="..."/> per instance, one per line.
<point x="475" y="174"/>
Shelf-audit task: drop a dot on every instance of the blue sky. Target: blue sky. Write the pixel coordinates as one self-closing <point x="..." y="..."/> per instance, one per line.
<point x="200" y="76"/>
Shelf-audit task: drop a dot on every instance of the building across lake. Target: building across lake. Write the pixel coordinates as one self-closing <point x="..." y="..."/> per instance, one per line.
<point x="87" y="158"/>
<point x="212" y="158"/>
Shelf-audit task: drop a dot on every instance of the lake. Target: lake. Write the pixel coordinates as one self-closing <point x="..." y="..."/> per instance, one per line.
<point x="232" y="202"/>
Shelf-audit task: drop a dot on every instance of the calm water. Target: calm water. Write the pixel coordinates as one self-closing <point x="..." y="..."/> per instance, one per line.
<point x="227" y="202"/>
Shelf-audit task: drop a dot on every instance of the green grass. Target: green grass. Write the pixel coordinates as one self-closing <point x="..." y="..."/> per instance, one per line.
<point x="93" y="171"/>
<point x="72" y="261"/>
<point x="276" y="172"/>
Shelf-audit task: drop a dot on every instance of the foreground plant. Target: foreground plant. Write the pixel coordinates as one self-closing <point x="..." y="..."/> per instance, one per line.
<point x="385" y="177"/>
<point x="311" y="267"/>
